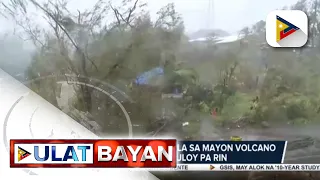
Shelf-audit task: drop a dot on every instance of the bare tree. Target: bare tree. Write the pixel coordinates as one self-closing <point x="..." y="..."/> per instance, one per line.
<point x="72" y="32"/>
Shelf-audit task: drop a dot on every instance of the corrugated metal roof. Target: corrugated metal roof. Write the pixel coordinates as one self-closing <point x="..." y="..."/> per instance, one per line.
<point x="219" y="40"/>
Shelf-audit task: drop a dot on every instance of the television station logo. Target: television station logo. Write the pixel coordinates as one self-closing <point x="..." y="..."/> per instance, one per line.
<point x="287" y="28"/>
<point x="22" y="153"/>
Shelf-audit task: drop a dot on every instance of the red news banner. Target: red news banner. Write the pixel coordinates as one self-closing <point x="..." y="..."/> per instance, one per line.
<point x="88" y="153"/>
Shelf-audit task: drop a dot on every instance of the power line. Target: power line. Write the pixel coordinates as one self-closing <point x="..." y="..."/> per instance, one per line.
<point x="208" y="18"/>
<point x="212" y="14"/>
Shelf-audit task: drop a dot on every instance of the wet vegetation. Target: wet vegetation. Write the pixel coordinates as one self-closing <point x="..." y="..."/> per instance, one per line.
<point x="233" y="85"/>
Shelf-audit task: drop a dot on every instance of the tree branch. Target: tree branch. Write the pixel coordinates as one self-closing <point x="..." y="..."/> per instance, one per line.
<point x="116" y="12"/>
<point x="132" y="10"/>
<point x="79" y="17"/>
<point x="127" y="20"/>
<point x="57" y="21"/>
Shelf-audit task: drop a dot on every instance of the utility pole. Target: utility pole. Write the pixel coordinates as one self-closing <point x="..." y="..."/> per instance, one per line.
<point x="210" y="18"/>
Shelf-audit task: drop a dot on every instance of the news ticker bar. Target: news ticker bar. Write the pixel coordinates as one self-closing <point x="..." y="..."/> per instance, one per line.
<point x="246" y="167"/>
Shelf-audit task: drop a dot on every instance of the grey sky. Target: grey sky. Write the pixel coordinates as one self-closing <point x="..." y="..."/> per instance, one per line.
<point x="229" y="15"/>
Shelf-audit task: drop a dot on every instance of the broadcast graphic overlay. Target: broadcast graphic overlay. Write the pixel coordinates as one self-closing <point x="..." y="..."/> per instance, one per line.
<point x="287" y="28"/>
<point x="21" y="154"/>
<point x="153" y="155"/>
<point x="228" y="155"/>
<point x="101" y="86"/>
<point x="113" y="153"/>
<point x="48" y="122"/>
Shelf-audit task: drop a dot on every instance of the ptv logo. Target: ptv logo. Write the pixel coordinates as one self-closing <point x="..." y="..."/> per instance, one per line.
<point x="22" y="153"/>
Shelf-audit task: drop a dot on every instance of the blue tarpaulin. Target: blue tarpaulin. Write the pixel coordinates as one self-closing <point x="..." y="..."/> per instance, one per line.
<point x="146" y="77"/>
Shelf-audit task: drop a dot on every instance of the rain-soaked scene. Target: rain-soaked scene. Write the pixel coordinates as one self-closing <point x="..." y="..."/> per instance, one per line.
<point x="189" y="69"/>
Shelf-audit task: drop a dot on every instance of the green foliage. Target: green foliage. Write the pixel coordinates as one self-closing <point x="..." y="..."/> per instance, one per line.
<point x="236" y="106"/>
<point x="240" y="79"/>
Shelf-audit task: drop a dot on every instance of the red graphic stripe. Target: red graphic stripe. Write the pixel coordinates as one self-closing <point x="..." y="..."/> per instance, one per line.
<point x="283" y="35"/>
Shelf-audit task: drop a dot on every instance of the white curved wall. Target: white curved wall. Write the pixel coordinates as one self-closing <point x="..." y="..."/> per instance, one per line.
<point x="24" y="114"/>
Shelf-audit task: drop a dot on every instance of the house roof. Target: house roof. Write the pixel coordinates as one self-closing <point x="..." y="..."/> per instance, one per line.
<point x="219" y="40"/>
